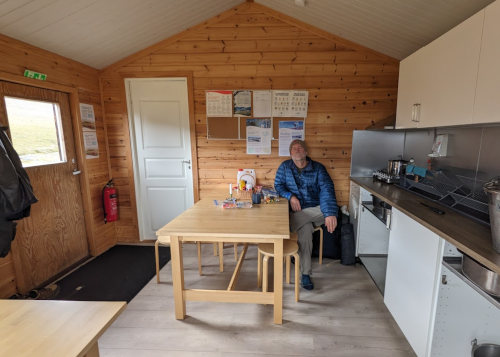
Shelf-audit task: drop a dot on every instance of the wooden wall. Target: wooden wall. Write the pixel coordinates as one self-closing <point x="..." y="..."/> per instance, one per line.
<point x="83" y="82"/>
<point x="254" y="47"/>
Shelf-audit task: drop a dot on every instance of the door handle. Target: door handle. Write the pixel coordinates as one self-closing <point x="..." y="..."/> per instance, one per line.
<point x="187" y="162"/>
<point x="76" y="172"/>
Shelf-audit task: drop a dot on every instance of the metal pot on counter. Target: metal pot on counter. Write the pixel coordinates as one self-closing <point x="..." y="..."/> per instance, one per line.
<point x="486" y="279"/>
<point x="485" y="349"/>
<point x="492" y="189"/>
<point x="396" y="167"/>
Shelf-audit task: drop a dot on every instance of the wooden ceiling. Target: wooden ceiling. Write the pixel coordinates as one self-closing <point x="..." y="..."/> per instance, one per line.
<point x="101" y="32"/>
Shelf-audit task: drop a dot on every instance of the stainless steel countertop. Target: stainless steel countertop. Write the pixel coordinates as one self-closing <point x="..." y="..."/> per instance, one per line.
<point x="471" y="237"/>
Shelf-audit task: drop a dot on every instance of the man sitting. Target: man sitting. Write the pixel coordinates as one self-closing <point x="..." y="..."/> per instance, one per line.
<point x="310" y="191"/>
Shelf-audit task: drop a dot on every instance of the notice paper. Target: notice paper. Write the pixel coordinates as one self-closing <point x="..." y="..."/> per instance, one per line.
<point x="281" y="103"/>
<point x="262" y="100"/>
<point x="88" y="117"/>
<point x="242" y="100"/>
<point x="298" y="105"/>
<point x="289" y="131"/>
<point x="219" y="103"/>
<point x="90" y="144"/>
<point x="259" y="134"/>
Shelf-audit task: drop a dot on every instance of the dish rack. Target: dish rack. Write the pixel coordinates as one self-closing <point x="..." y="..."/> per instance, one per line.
<point x="461" y="193"/>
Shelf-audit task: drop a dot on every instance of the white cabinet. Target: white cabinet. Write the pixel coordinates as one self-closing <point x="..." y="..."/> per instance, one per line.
<point x="354" y="203"/>
<point x="487" y="105"/>
<point x="412" y="279"/>
<point x="463" y="314"/>
<point x="413" y="81"/>
<point x="373" y="236"/>
<point x="437" y="83"/>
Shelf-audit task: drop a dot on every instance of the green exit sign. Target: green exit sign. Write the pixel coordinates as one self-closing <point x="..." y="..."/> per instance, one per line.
<point x="35" y="75"/>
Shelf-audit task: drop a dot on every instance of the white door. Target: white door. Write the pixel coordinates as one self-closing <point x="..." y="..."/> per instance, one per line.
<point x="159" y="131"/>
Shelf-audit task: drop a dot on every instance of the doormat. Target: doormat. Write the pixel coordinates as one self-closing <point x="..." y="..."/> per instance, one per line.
<point x="116" y="275"/>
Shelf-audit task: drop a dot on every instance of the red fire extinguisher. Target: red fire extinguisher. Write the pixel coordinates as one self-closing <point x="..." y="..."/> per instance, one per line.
<point x="110" y="202"/>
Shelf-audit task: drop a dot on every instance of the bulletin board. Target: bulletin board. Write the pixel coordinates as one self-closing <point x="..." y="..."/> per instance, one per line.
<point x="234" y="127"/>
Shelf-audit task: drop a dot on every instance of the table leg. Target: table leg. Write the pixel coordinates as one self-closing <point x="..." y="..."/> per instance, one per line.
<point x="221" y="256"/>
<point x="94" y="351"/>
<point x="178" y="277"/>
<point x="278" y="281"/>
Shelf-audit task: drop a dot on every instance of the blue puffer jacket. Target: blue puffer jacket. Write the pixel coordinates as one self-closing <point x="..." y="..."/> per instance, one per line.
<point x="313" y="186"/>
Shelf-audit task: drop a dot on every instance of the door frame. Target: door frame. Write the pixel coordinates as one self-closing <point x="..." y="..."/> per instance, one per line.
<point x="192" y="131"/>
<point x="74" y="104"/>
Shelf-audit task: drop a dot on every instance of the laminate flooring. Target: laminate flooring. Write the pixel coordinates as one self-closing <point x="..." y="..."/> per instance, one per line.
<point x="343" y="316"/>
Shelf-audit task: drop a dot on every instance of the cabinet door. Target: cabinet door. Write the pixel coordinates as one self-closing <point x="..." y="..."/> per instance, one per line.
<point x="412" y="84"/>
<point x="413" y="268"/>
<point x="354" y="203"/>
<point x="463" y="314"/>
<point x="452" y="62"/>
<point x="373" y="236"/>
<point x="487" y="105"/>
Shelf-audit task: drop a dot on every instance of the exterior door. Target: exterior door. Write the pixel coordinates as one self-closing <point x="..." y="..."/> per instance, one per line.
<point x="159" y="130"/>
<point x="53" y="237"/>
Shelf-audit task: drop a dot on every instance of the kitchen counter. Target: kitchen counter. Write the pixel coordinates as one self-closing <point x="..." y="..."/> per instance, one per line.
<point x="471" y="237"/>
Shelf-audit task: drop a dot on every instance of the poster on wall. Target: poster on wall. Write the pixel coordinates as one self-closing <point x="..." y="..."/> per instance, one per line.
<point x="89" y="131"/>
<point x="242" y="101"/>
<point x="88" y="117"/>
<point x="90" y="144"/>
<point x="262" y="106"/>
<point x="289" y="130"/>
<point x="281" y="103"/>
<point x="219" y="103"/>
<point x="259" y="133"/>
<point x="298" y="104"/>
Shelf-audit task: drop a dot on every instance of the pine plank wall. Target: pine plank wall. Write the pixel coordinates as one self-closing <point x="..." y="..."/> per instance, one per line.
<point x="254" y="47"/>
<point x="62" y="73"/>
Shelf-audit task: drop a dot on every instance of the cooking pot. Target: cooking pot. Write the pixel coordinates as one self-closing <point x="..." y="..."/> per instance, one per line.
<point x="485" y="349"/>
<point x="396" y="167"/>
<point x="492" y="189"/>
<point x="486" y="279"/>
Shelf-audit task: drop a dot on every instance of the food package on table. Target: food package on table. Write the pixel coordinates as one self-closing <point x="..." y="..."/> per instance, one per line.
<point x="245" y="179"/>
<point x="270" y="195"/>
<point x="232" y="203"/>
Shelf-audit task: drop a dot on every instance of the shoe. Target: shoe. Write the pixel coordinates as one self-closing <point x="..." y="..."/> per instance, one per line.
<point x="307" y="282"/>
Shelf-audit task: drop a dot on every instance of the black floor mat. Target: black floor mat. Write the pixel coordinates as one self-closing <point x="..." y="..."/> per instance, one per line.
<point x="117" y="275"/>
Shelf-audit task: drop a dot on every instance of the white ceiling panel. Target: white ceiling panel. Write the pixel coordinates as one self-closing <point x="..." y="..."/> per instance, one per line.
<point x="396" y="28"/>
<point x="101" y="32"/>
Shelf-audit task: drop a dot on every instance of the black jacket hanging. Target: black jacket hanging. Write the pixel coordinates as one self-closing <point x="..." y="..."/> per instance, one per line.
<point x="16" y="193"/>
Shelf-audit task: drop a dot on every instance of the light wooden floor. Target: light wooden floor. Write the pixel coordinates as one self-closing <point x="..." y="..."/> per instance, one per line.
<point x="343" y="316"/>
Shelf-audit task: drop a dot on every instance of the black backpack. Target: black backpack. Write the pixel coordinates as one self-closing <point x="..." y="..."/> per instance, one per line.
<point x="339" y="244"/>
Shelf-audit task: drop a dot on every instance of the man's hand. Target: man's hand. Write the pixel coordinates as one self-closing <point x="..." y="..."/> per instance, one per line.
<point x="295" y="204"/>
<point x="330" y="223"/>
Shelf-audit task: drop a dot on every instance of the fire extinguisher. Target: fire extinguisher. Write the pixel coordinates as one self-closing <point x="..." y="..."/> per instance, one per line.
<point x="110" y="202"/>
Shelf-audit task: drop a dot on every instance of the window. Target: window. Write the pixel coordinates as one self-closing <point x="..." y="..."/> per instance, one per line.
<point x="36" y="131"/>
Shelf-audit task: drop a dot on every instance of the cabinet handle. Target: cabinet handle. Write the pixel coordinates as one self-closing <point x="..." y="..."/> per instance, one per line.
<point x="443" y="279"/>
<point x="415" y="113"/>
<point x="388" y="221"/>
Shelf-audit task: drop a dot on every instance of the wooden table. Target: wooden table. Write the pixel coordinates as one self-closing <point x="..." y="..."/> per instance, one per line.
<point x="54" y="328"/>
<point x="203" y="222"/>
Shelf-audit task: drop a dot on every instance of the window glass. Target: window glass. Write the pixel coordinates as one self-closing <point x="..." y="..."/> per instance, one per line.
<point x="36" y="131"/>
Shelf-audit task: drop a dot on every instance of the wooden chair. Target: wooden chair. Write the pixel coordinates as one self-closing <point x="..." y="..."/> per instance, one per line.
<point x="290" y="248"/>
<point x="198" y="246"/>
<point x="320" y="252"/>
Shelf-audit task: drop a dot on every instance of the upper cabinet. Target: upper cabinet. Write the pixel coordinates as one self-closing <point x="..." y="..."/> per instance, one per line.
<point x="487" y="105"/>
<point x="437" y="83"/>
